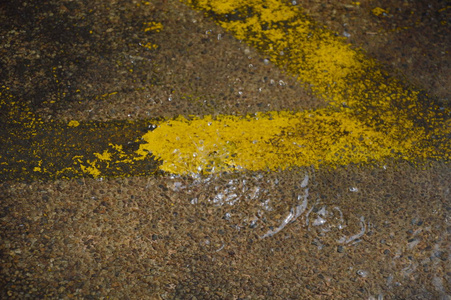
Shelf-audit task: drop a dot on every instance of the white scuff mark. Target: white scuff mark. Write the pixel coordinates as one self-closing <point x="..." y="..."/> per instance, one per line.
<point x="323" y="211"/>
<point x="281" y="226"/>
<point x="220" y="248"/>
<point x="295" y="212"/>
<point x="362" y="273"/>
<point x="319" y="221"/>
<point x="266" y="204"/>
<point x="254" y="193"/>
<point x="342" y="220"/>
<point x="299" y="209"/>
<point x="177" y="186"/>
<point x="358" y="235"/>
<point x="307" y="220"/>
<point x="231" y="199"/>
<point x="236" y="190"/>
<point x="218" y="198"/>
<point x="305" y="181"/>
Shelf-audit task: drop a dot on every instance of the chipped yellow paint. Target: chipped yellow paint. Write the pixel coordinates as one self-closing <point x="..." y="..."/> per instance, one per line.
<point x="73" y="123"/>
<point x="377" y="11"/>
<point x="104" y="156"/>
<point x="104" y="160"/>
<point x="91" y="169"/>
<point x="153" y="26"/>
<point x="149" y="46"/>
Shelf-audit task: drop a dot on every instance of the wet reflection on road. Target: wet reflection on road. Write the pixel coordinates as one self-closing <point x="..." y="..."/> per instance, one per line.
<point x="347" y="233"/>
<point x="343" y="224"/>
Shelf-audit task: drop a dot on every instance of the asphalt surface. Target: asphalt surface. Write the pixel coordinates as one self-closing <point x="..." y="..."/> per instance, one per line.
<point x="83" y="82"/>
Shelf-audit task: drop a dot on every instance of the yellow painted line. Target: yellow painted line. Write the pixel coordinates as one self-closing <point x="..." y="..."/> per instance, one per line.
<point x="371" y="116"/>
<point x="266" y="142"/>
<point x="279" y="140"/>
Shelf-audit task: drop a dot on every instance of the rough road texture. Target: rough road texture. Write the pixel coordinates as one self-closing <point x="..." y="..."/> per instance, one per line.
<point x="365" y="232"/>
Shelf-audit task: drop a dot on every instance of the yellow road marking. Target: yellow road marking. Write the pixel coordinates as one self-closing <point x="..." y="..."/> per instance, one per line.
<point x="371" y="115"/>
<point x="267" y="141"/>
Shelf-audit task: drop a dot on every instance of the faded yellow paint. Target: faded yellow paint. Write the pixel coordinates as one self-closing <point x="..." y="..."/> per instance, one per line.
<point x="149" y="46"/>
<point x="73" y="123"/>
<point x="91" y="169"/>
<point x="377" y="11"/>
<point x="50" y="155"/>
<point x="153" y="27"/>
<point x="105" y="156"/>
<point x="105" y="160"/>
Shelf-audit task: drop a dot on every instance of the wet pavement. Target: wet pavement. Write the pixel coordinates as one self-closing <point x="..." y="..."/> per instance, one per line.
<point x="380" y="231"/>
<point x="349" y="233"/>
